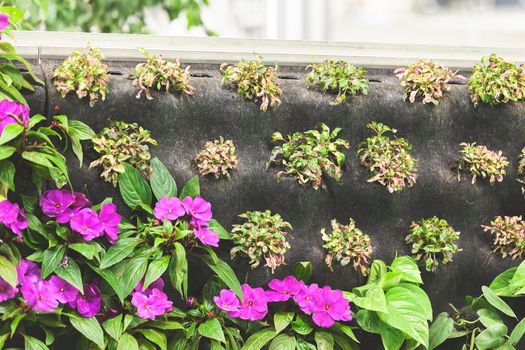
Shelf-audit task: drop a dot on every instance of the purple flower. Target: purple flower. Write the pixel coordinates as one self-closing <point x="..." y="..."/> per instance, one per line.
<point x="87" y="223"/>
<point x="6" y="291"/>
<point x="12" y="112"/>
<point x="110" y="220"/>
<point x="284" y="290"/>
<point x="12" y="216"/>
<point x="152" y="305"/>
<point x="88" y="304"/>
<point x="228" y="301"/>
<point x="27" y="271"/>
<point x="198" y="209"/>
<point x="158" y="284"/>
<point x="55" y="203"/>
<point x="39" y="295"/>
<point x="330" y="306"/>
<point x="169" y="209"/>
<point x="255" y="303"/>
<point x="63" y="291"/>
<point x="4" y="21"/>
<point x="306" y="297"/>
<point x="206" y="236"/>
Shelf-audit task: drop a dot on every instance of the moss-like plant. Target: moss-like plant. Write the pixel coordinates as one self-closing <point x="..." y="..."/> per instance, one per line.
<point x="425" y="80"/>
<point x="262" y="236"/>
<point x="338" y="77"/>
<point x="217" y="158"/>
<point x="479" y="161"/>
<point x="347" y="244"/>
<point x="254" y="81"/>
<point x="388" y="158"/>
<point x="509" y="236"/>
<point x="157" y="73"/>
<point x="308" y="155"/>
<point x="84" y="73"/>
<point x="122" y="143"/>
<point x="432" y="242"/>
<point x="496" y="81"/>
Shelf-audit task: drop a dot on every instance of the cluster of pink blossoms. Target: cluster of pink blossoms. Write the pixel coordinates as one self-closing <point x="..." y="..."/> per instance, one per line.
<point x="324" y="304"/>
<point x="45" y="295"/>
<point x="13" y="113"/>
<point x="12" y="216"/>
<point x="71" y="207"/>
<point x="198" y="210"/>
<point x="152" y="301"/>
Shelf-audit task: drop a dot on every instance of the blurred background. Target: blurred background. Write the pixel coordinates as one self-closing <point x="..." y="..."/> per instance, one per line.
<point x="489" y="23"/>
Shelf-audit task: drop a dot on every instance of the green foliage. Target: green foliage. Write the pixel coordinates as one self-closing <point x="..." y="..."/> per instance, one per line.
<point x="347" y="244"/>
<point x="161" y="75"/>
<point x="121" y="143"/>
<point x="425" y="80"/>
<point x="254" y="81"/>
<point x="262" y="236"/>
<point x="338" y="77"/>
<point x="83" y="73"/>
<point x="432" y="242"/>
<point x="106" y="16"/>
<point x="388" y="158"/>
<point x="308" y="155"/>
<point x="496" y="81"/>
<point x="479" y="161"/>
<point x="521" y="169"/>
<point x="393" y="305"/>
<point x="509" y="236"/>
<point x="217" y="158"/>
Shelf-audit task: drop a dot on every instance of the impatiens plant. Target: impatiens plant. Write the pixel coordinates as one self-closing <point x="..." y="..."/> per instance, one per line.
<point x="338" y="77"/>
<point x="479" y="161"/>
<point x="509" y="236"/>
<point x="157" y="73"/>
<point x="24" y="139"/>
<point x="254" y="81"/>
<point x="83" y="73"/>
<point x="121" y="143"/>
<point x="306" y="316"/>
<point x="310" y="154"/>
<point x="496" y="81"/>
<point x="425" y="80"/>
<point x="393" y="305"/>
<point x="388" y="159"/>
<point x="217" y="158"/>
<point x="347" y="244"/>
<point x="432" y="242"/>
<point x="262" y="236"/>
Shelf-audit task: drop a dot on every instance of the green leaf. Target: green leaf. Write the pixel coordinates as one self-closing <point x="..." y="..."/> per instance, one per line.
<point x="134" y="190"/>
<point x="113" y="327"/>
<point x="178" y="270"/>
<point x="192" y="188"/>
<point x="374" y="300"/>
<point x="491" y="338"/>
<point x="283" y="342"/>
<point x="497" y="302"/>
<point x="155" y="337"/>
<point x="127" y="342"/>
<point x="110" y="277"/>
<point x="517" y="333"/>
<point x="10" y="132"/>
<point x="162" y="183"/>
<point x="119" y="251"/>
<point x="52" y="258"/>
<point x="6" y="152"/>
<point x="301" y="325"/>
<point x="212" y="329"/>
<point x="346" y="330"/>
<point x="282" y="319"/>
<point x="258" y="340"/>
<point x="87" y="249"/>
<point x="81" y="130"/>
<point x="324" y="341"/>
<point x="90" y="328"/>
<point x="71" y="274"/>
<point x="134" y="269"/>
<point x="34" y="120"/>
<point x="304" y="345"/>
<point x="216" y="227"/>
<point x="8" y="271"/>
<point x="408" y="269"/>
<point x="440" y="330"/>
<point x="302" y="270"/>
<point x="37" y="158"/>
<point x="7" y="175"/>
<point x="489" y="317"/>
<point x="225" y="273"/>
<point x="155" y="270"/>
<point x="31" y="343"/>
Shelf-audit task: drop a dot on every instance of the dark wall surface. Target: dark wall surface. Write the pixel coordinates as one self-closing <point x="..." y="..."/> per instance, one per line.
<point x="183" y="124"/>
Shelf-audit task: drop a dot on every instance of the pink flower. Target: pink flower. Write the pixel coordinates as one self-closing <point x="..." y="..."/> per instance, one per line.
<point x="198" y="209"/>
<point x="27" y="270"/>
<point x="6" y="291"/>
<point x="62" y="204"/>
<point x="306" y="296"/>
<point x="169" y="209"/>
<point x="330" y="306"/>
<point x="158" y="284"/>
<point x="255" y="303"/>
<point x="152" y="305"/>
<point x="4" y="21"/>
<point x="63" y="291"/>
<point x="89" y="304"/>
<point x="12" y="112"/>
<point x="228" y="301"/>
<point x="87" y="223"/>
<point x="12" y="216"/>
<point x="39" y="295"/>
<point x="206" y="236"/>
<point x="284" y="290"/>
<point x="110" y="220"/>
